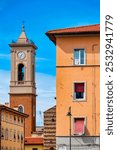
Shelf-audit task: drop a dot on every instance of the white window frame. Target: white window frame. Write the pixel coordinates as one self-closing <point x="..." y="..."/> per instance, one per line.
<point x="74" y="95"/>
<point x="78" y="117"/>
<point x="78" y="49"/>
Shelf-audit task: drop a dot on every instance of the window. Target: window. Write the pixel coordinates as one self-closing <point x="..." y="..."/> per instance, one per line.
<point x="10" y="134"/>
<point x="21" y="108"/>
<point x="79" y="56"/>
<point x="10" y="148"/>
<point x="14" y="135"/>
<point x="6" y="148"/>
<point x="2" y="148"/>
<point x="6" y="134"/>
<point x="79" y="91"/>
<point x="79" y="126"/>
<point x="2" y="115"/>
<point x="18" y="119"/>
<point x="2" y="133"/>
<point x="14" y="119"/>
<point x="6" y="116"/>
<point x="18" y="136"/>
<point x="22" y="138"/>
<point x="22" y="120"/>
<point x="10" y="117"/>
<point x="20" y="72"/>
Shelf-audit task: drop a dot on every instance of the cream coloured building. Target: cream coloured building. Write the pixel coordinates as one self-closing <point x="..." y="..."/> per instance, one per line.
<point x="12" y="128"/>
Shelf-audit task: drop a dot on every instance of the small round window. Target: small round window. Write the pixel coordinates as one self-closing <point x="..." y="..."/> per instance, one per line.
<point x="21" y="109"/>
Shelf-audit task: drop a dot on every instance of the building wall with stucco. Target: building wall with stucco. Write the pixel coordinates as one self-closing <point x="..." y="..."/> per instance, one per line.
<point x="12" y="129"/>
<point x="68" y="73"/>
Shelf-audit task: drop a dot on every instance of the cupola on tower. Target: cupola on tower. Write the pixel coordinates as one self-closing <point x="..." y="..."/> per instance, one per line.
<point x="22" y="84"/>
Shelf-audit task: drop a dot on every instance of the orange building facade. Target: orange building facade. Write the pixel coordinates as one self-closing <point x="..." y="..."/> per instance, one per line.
<point x="77" y="86"/>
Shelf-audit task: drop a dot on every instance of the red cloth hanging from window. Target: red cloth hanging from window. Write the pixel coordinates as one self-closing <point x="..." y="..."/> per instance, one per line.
<point x="79" y="87"/>
<point x="79" y="126"/>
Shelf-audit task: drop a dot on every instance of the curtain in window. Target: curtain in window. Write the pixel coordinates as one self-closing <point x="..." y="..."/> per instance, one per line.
<point x="79" y="126"/>
<point x="79" y="87"/>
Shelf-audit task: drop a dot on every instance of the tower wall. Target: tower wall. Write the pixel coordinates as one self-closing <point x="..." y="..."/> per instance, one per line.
<point x="22" y="84"/>
<point x="29" y="103"/>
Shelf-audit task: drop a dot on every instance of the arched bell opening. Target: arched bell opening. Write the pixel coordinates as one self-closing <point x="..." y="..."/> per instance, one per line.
<point x="21" y="71"/>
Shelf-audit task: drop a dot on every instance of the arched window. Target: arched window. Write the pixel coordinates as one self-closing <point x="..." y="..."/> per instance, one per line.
<point x="21" y="72"/>
<point x="21" y="108"/>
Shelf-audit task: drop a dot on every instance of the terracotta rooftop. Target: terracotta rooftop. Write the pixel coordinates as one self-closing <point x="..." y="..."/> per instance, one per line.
<point x="89" y="29"/>
<point x="33" y="141"/>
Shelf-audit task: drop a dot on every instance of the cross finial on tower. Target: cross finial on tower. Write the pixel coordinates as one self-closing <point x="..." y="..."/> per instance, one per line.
<point x="22" y="38"/>
<point x="23" y="26"/>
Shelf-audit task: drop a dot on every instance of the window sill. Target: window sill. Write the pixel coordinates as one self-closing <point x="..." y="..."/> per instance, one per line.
<point x="79" y="134"/>
<point x="79" y="65"/>
<point x="79" y="100"/>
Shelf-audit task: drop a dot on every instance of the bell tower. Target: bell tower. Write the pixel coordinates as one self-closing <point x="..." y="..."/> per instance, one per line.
<point x="22" y="84"/>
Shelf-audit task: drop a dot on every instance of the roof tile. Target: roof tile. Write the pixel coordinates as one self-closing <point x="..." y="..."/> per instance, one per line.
<point x="75" y="30"/>
<point x="33" y="140"/>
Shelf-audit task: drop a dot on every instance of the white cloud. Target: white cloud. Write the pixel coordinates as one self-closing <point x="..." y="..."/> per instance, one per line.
<point x="45" y="91"/>
<point x="41" y="59"/>
<point x="4" y="86"/>
<point x="4" y="56"/>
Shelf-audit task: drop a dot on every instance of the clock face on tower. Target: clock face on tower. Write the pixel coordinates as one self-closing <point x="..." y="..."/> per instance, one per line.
<point x="21" y="55"/>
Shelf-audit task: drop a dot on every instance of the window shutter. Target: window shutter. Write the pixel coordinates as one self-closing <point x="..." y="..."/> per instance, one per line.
<point x="79" y="87"/>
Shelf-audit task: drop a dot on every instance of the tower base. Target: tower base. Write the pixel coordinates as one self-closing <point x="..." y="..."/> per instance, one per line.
<point x="28" y="102"/>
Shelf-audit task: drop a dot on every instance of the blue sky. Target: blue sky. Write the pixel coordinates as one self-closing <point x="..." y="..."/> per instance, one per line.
<point x="40" y="16"/>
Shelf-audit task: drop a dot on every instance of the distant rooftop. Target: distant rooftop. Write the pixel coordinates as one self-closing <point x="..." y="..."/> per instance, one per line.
<point x="33" y="141"/>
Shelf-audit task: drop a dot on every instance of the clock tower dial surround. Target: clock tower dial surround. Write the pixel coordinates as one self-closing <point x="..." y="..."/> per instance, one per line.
<point x="21" y="55"/>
